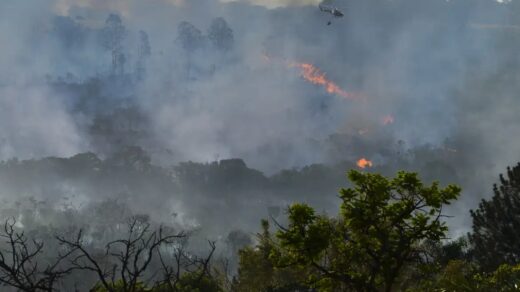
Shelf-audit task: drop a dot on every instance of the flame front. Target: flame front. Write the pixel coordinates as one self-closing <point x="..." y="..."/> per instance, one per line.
<point x="363" y="163"/>
<point x="312" y="74"/>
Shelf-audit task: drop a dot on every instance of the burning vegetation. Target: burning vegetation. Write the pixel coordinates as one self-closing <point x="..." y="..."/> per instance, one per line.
<point x="364" y="163"/>
<point x="314" y="75"/>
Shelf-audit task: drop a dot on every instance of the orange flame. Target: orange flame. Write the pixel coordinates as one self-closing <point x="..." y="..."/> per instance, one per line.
<point x="363" y="163"/>
<point x="312" y="74"/>
<point x="388" y="119"/>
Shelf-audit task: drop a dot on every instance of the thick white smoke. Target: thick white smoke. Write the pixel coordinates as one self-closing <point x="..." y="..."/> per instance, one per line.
<point x="36" y="124"/>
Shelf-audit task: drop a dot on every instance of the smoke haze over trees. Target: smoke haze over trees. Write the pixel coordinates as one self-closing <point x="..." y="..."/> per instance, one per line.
<point x="194" y="113"/>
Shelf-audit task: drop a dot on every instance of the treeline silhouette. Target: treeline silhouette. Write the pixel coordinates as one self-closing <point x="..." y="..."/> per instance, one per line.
<point x="388" y="235"/>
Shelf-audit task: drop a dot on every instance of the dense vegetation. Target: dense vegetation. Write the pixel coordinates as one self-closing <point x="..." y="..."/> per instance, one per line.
<point x="126" y="212"/>
<point x="389" y="235"/>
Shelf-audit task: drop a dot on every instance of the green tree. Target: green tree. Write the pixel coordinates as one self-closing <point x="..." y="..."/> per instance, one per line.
<point x="257" y="272"/>
<point x="379" y="231"/>
<point x="463" y="276"/>
<point x="193" y="282"/>
<point x="440" y="264"/>
<point x="187" y="282"/>
<point x="494" y="238"/>
<point x="504" y="278"/>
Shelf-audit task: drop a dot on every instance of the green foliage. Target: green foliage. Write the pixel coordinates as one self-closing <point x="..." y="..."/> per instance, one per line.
<point x="456" y="275"/>
<point x="380" y="228"/>
<point x="188" y="282"/>
<point x="257" y="272"/>
<point x="505" y="278"/>
<point x="463" y="276"/>
<point x="119" y="286"/>
<point x="495" y="238"/>
<point x="196" y="282"/>
<point x="439" y="262"/>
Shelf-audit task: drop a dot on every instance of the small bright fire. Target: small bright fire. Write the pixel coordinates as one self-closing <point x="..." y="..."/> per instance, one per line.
<point x="387" y="120"/>
<point x="314" y="75"/>
<point x="364" y="163"/>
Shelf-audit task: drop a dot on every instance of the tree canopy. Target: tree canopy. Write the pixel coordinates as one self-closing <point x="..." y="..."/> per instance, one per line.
<point x="380" y="228"/>
<point x="496" y="222"/>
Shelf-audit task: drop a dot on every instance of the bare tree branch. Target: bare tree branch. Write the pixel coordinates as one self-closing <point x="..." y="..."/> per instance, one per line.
<point x="131" y="256"/>
<point x="20" y="265"/>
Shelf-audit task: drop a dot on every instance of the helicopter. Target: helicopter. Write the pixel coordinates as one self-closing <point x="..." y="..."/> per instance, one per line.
<point x="334" y="11"/>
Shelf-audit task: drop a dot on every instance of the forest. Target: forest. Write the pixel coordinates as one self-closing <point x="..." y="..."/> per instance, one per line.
<point x="259" y="145"/>
<point x="388" y="235"/>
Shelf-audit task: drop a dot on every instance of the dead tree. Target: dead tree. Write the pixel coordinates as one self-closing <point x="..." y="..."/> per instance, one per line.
<point x="185" y="262"/>
<point x="21" y="265"/>
<point x="124" y="262"/>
